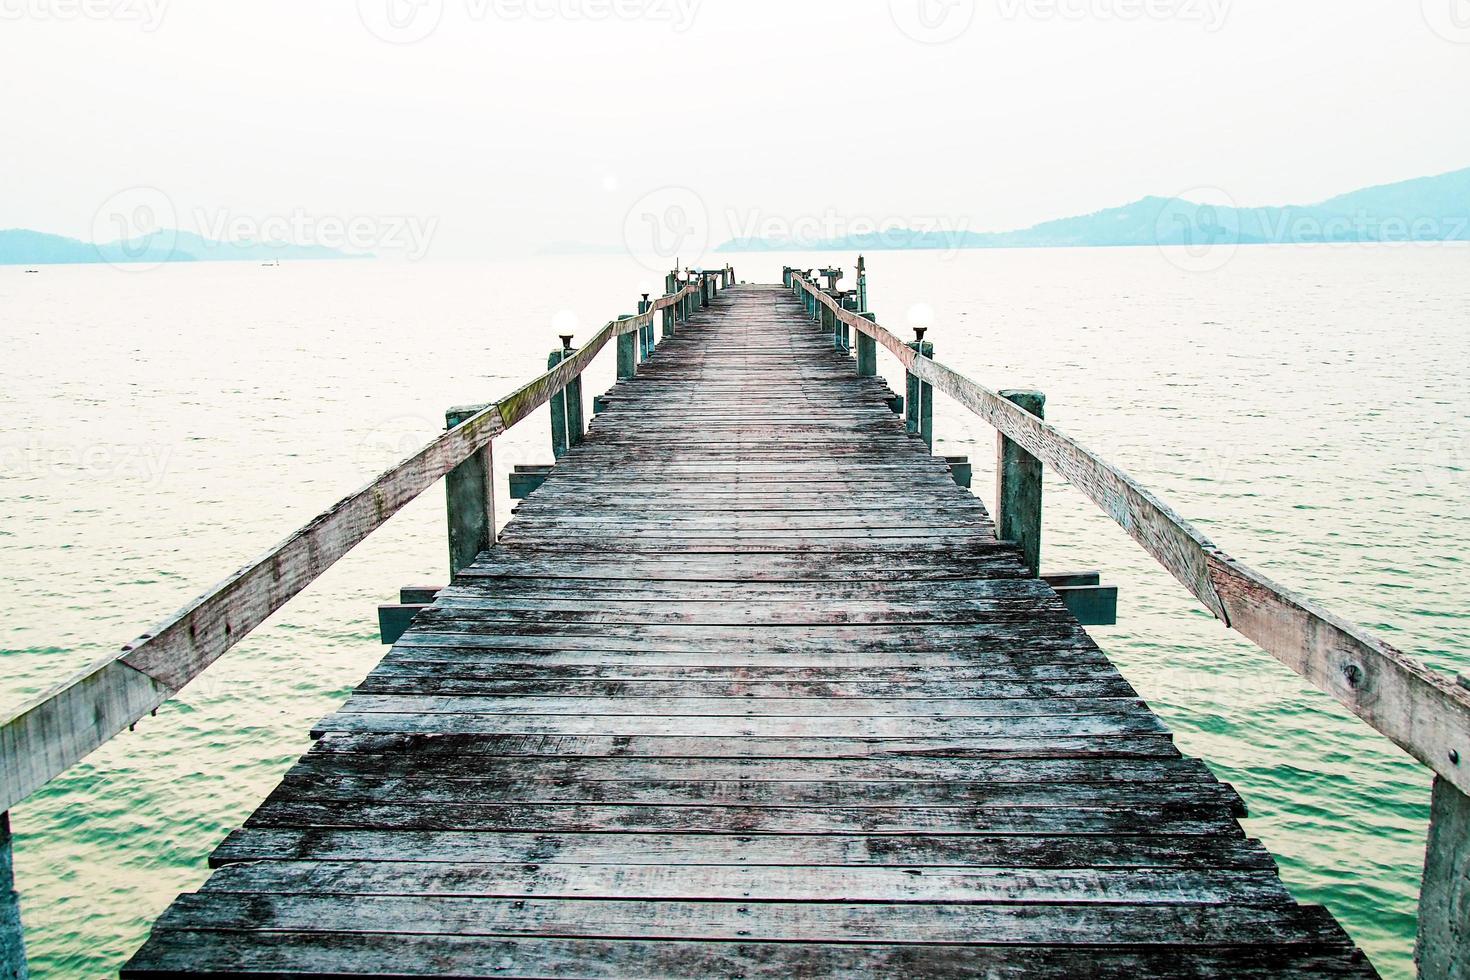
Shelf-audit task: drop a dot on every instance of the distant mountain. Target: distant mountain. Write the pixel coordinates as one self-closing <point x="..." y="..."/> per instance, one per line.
<point x="19" y="246"/>
<point x="1429" y="209"/>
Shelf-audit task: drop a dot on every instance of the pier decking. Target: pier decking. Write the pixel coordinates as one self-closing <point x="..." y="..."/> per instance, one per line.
<point x="748" y="688"/>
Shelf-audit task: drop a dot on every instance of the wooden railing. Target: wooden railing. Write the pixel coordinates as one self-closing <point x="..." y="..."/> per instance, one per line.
<point x="53" y="731"/>
<point x="1421" y="711"/>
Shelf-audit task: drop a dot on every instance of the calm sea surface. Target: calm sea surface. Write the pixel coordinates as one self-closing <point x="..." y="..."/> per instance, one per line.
<point x="1307" y="406"/>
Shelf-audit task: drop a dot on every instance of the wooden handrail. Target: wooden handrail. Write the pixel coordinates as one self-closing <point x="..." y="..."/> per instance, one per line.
<point x="53" y="731"/>
<point x="1424" y="713"/>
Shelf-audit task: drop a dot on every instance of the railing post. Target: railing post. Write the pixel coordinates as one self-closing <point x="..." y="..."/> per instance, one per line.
<point x="558" y="405"/>
<point x="566" y="405"/>
<point x="670" y="287"/>
<point x="12" y="936"/>
<point x="920" y="401"/>
<point x="1018" y="477"/>
<point x="645" y="334"/>
<point x="1442" y="951"/>
<point x="469" y="490"/>
<point x="867" y="351"/>
<point x="862" y="283"/>
<point x="627" y="353"/>
<point x="849" y="303"/>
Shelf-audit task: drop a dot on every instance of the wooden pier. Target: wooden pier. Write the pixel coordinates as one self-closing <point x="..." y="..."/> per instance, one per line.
<point x="749" y="686"/>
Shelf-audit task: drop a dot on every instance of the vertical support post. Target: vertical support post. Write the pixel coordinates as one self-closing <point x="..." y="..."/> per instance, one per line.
<point x="849" y="303"/>
<point x="645" y="334"/>
<point x="559" y="441"/>
<point x="668" y="312"/>
<point x="12" y="936"/>
<point x="1018" y="477"/>
<point x="469" y="490"/>
<point x="920" y="394"/>
<point x="1442" y="951"/>
<point x="576" y="425"/>
<point x="627" y="353"/>
<point x="867" y="351"/>
<point x="705" y="284"/>
<point x="862" y="283"/>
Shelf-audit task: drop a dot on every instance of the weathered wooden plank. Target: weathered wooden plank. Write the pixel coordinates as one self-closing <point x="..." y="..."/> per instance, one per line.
<point x="476" y="746"/>
<point x="792" y="850"/>
<point x="1169" y="820"/>
<point x="434" y="790"/>
<point x="495" y="723"/>
<point x="952" y="925"/>
<point x="315" y="955"/>
<point x="696" y="882"/>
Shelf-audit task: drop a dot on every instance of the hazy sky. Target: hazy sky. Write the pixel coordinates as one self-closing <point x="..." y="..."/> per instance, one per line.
<point x="512" y="123"/>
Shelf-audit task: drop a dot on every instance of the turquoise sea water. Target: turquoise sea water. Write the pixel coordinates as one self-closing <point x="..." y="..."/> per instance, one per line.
<point x="1306" y="406"/>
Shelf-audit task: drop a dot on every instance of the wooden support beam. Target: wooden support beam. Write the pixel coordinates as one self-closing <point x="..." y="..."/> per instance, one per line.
<point x="1018" y="478"/>
<point x="1092" y="605"/>
<point x="645" y="334"/>
<point x="670" y="318"/>
<point x="469" y="492"/>
<point x="560" y="442"/>
<point x="867" y="350"/>
<point x="961" y="470"/>
<point x="849" y="302"/>
<point x="920" y="400"/>
<point x="1443" y="948"/>
<point x="395" y="619"/>
<point x="1059" y="580"/>
<point x="12" y="936"/>
<point x="576" y="421"/>
<point x="627" y="353"/>
<point x="526" y="480"/>
<point x="419" y="595"/>
<point x="862" y="284"/>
